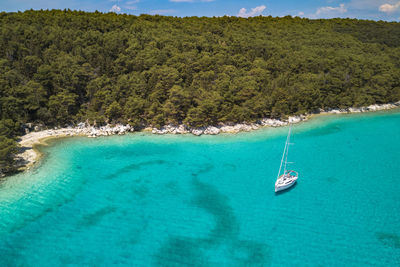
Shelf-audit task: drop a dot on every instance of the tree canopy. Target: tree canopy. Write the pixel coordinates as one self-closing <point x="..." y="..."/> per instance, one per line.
<point x="59" y="67"/>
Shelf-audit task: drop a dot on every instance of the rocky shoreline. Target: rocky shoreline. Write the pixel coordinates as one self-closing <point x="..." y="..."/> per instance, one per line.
<point x="28" y="155"/>
<point x="246" y="127"/>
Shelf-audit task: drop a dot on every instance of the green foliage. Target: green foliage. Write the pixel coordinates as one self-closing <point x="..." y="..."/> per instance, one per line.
<point x="8" y="148"/>
<point x="114" y="111"/>
<point x="62" y="106"/>
<point x="9" y="128"/>
<point x="59" y="67"/>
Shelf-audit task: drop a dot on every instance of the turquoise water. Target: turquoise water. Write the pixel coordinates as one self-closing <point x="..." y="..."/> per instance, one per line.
<point x="145" y="200"/>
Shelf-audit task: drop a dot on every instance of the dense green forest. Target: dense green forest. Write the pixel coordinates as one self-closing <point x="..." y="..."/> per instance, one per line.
<point x="61" y="67"/>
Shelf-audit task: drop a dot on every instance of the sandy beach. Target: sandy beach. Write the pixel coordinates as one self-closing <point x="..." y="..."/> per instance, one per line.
<point x="29" y="155"/>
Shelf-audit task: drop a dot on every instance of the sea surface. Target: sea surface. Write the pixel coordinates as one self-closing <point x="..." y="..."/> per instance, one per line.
<point x="147" y="200"/>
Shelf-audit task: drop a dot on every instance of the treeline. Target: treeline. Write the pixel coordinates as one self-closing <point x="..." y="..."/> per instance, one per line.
<point x="61" y="67"/>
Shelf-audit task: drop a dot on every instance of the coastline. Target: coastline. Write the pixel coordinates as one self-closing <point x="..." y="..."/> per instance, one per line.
<point x="29" y="154"/>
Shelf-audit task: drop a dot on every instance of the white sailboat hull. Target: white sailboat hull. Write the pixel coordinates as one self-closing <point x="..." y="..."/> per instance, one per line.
<point x="286" y="186"/>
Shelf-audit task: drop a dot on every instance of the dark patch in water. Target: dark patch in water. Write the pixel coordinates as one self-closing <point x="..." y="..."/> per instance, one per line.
<point x="204" y="169"/>
<point x="180" y="251"/>
<point x="66" y="259"/>
<point x="230" y="166"/>
<point x="28" y="218"/>
<point x="172" y="186"/>
<point x="135" y="152"/>
<point x="134" y="166"/>
<point x="95" y="217"/>
<point x="251" y="253"/>
<point x="389" y="239"/>
<point x="140" y="189"/>
<point x="79" y="167"/>
<point x="188" y="251"/>
<point x="327" y="130"/>
<point x="213" y="202"/>
<point x="332" y="179"/>
<point x="12" y="251"/>
<point x="135" y="233"/>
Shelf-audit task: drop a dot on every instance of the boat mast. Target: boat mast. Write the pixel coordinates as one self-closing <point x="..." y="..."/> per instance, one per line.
<point x="287" y="147"/>
<point x="285" y="150"/>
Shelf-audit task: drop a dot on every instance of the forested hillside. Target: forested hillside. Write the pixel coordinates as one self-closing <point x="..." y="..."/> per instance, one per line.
<point x="62" y="67"/>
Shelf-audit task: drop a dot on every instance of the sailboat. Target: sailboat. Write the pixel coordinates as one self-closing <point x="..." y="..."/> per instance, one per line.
<point x="289" y="177"/>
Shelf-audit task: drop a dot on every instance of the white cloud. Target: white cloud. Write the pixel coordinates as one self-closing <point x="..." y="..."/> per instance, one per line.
<point x="367" y="4"/>
<point x="301" y="13"/>
<point x="388" y="8"/>
<point x="329" y="10"/>
<point x="253" y="12"/>
<point x="115" y="9"/>
<point x="132" y="2"/>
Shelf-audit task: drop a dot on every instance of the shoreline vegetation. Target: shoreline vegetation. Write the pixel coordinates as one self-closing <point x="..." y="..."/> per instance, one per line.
<point x="59" y="68"/>
<point x="28" y="153"/>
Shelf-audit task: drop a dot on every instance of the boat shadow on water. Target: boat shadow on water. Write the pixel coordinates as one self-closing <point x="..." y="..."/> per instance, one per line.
<point x="286" y="190"/>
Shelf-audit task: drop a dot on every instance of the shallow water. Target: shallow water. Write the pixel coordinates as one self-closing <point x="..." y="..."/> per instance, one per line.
<point x="148" y="200"/>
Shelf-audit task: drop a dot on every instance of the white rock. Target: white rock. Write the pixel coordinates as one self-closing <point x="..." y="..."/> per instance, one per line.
<point x="355" y="110"/>
<point x="243" y="127"/>
<point x="388" y="106"/>
<point x="156" y="131"/>
<point x="197" y="131"/>
<point x="227" y="129"/>
<point x="169" y="128"/>
<point x="254" y="126"/>
<point x="272" y="122"/>
<point x="295" y="119"/>
<point x="182" y="129"/>
<point x="211" y="130"/>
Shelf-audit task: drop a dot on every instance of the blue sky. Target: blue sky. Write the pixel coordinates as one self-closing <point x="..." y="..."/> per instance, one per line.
<point x="364" y="9"/>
